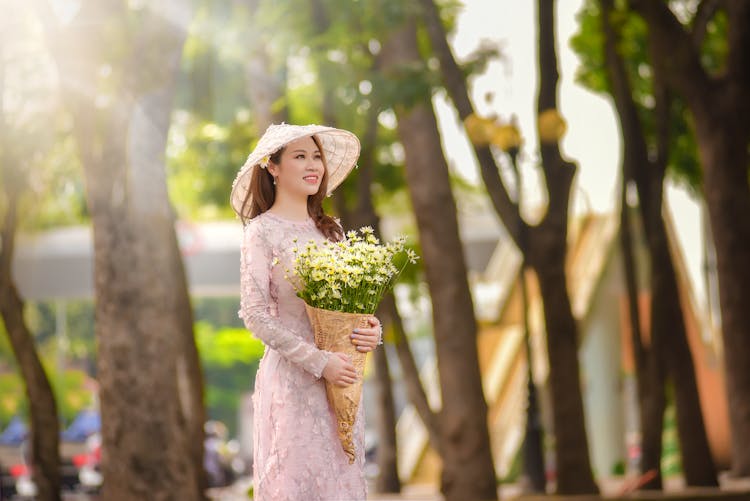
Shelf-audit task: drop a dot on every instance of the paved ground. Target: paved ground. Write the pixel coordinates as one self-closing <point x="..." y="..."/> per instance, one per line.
<point x="610" y="487"/>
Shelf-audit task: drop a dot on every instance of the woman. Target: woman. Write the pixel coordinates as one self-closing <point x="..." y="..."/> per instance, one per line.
<point x="278" y="194"/>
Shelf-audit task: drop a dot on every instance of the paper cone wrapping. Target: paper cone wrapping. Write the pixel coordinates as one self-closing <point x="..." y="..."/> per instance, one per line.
<point x="332" y="333"/>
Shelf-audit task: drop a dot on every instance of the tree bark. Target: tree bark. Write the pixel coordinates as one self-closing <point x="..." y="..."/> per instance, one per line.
<point x="719" y="104"/>
<point x="149" y="373"/>
<point x="468" y="472"/>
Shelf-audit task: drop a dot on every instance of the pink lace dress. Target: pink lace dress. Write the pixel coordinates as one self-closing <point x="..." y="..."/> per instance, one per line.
<point x="297" y="454"/>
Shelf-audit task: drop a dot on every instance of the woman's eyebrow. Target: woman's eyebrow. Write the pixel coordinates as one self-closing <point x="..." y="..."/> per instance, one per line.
<point x="300" y="150"/>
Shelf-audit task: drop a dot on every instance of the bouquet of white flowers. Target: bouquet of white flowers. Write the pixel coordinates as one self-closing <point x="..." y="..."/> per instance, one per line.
<point x="342" y="284"/>
<point x="351" y="275"/>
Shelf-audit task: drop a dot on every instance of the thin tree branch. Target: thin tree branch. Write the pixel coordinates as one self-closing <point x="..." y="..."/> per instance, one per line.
<point x="414" y="389"/>
<point x="558" y="173"/>
<point x="635" y="150"/>
<point x="632" y="129"/>
<point x="455" y="84"/>
<point x="365" y="214"/>
<point x="662" y="104"/>
<point x="7" y="232"/>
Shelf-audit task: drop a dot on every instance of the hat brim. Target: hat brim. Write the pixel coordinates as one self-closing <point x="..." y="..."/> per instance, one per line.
<point x="341" y="149"/>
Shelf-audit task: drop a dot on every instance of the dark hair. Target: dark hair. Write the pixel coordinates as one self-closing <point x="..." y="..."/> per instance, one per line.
<point x="263" y="194"/>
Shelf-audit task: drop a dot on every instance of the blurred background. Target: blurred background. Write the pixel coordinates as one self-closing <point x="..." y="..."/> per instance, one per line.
<point x="574" y="175"/>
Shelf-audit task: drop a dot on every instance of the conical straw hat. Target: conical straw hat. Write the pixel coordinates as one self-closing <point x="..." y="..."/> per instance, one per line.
<point x="340" y="147"/>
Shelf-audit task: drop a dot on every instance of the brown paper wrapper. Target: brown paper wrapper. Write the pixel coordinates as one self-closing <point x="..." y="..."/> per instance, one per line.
<point x="332" y="333"/>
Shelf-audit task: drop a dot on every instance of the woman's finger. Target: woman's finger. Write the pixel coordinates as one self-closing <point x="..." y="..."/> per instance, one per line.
<point x="361" y="341"/>
<point x="366" y="333"/>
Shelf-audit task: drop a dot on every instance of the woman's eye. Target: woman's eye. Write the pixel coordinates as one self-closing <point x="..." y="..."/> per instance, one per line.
<point x="300" y="156"/>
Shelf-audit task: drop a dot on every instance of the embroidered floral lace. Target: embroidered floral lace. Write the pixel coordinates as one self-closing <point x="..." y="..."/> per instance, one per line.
<point x="296" y="452"/>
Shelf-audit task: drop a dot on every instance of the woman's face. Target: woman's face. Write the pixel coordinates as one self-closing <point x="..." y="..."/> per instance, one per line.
<point x="300" y="169"/>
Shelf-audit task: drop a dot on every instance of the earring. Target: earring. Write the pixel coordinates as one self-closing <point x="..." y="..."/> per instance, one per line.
<point x="274" y="180"/>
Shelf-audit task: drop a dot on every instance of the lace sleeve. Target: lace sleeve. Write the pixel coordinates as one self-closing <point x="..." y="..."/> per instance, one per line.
<point x="256" y="301"/>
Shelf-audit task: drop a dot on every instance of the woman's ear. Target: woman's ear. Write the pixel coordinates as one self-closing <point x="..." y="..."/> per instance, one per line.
<point x="273" y="169"/>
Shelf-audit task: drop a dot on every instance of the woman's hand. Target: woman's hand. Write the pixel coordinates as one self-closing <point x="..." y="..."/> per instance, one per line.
<point x="368" y="338"/>
<point x="339" y="370"/>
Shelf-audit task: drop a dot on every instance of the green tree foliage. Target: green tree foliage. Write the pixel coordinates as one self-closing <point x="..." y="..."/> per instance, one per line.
<point x="202" y="160"/>
<point x="79" y="328"/>
<point x="12" y="397"/>
<point x="209" y="141"/>
<point x="67" y="362"/>
<point x="230" y="357"/>
<point x="588" y="43"/>
<point x="37" y="132"/>
<point x="73" y="393"/>
<point x="70" y="381"/>
<point x="229" y="354"/>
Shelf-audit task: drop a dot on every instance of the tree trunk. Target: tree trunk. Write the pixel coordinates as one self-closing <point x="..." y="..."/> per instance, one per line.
<point x="652" y="401"/>
<point x="149" y="374"/>
<point x="548" y="243"/>
<point x="574" y="470"/>
<point x="571" y="444"/>
<point x="468" y="471"/>
<point x="649" y="372"/>
<point x="45" y="427"/>
<point x="669" y="345"/>
<point x="718" y="105"/>
<point x="189" y="367"/>
<point x="414" y="388"/>
<point x="364" y="215"/>
<point x="667" y="318"/>
<point x="728" y="200"/>
<point x="387" y="452"/>
<point x="532" y="453"/>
